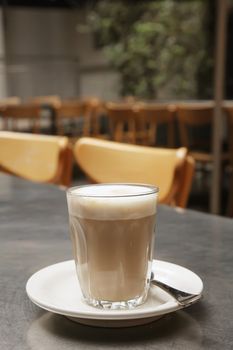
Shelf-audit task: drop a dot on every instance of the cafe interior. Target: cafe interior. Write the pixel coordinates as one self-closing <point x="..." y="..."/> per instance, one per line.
<point x="96" y="92"/>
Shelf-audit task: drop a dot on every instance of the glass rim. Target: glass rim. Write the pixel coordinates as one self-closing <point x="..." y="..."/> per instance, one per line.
<point x="152" y="190"/>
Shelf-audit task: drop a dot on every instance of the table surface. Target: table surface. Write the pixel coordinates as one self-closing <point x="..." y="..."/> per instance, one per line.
<point x="34" y="234"/>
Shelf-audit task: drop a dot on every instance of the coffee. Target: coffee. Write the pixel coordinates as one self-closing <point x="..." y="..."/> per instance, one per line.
<point x="112" y="229"/>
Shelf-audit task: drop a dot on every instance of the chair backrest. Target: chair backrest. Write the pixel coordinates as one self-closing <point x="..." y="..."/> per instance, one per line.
<point x="28" y="112"/>
<point x="107" y="161"/>
<point x="37" y="158"/>
<point x="94" y="109"/>
<point x="68" y="111"/>
<point x="193" y="116"/>
<point x="154" y="115"/>
<point x="50" y="100"/>
<point x="4" y="102"/>
<point x="122" y="122"/>
<point x="13" y="100"/>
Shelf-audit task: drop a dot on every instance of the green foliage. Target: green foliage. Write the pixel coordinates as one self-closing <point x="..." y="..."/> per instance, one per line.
<point x="154" y="45"/>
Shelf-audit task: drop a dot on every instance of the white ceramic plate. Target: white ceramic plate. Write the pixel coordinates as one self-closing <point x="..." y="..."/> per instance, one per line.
<point x="56" y="289"/>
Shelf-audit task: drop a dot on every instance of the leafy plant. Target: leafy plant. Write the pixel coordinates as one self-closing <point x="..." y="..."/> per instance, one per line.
<point x="155" y="46"/>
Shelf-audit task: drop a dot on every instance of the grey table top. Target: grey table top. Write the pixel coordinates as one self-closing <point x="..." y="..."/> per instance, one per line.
<point x="34" y="234"/>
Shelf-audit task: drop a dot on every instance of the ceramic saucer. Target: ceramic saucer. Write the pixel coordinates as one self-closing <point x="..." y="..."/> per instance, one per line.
<point x="56" y="289"/>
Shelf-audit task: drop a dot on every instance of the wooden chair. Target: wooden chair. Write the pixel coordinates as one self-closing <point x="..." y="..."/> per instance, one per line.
<point x="150" y="117"/>
<point x="49" y="100"/>
<point x="95" y="118"/>
<point x="191" y="119"/>
<point x="70" y="118"/>
<point x="195" y="127"/>
<point x="169" y="169"/>
<point x="37" y="158"/>
<point x="122" y="122"/>
<point x="4" y="102"/>
<point x="48" y="105"/>
<point x="21" y="112"/>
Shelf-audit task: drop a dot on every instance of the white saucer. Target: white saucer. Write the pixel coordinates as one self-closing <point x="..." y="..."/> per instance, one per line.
<point x="56" y="289"/>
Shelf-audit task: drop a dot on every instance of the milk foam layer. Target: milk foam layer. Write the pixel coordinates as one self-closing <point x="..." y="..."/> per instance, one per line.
<point x="112" y="202"/>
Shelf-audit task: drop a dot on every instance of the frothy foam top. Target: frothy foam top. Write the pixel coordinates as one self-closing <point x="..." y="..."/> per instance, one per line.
<point x="112" y="202"/>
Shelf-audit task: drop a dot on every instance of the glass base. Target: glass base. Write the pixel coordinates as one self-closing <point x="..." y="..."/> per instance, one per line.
<point x="116" y="305"/>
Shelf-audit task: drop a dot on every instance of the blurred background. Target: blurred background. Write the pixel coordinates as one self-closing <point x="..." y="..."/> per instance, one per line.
<point x="154" y="52"/>
<point x="150" y="49"/>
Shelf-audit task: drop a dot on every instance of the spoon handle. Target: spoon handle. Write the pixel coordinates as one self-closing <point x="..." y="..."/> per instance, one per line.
<point x="183" y="298"/>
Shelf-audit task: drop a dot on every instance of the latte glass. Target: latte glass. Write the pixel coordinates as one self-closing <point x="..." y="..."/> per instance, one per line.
<point x="112" y="229"/>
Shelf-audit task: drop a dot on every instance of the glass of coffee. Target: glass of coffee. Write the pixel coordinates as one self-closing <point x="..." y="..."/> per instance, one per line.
<point x="112" y="230"/>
